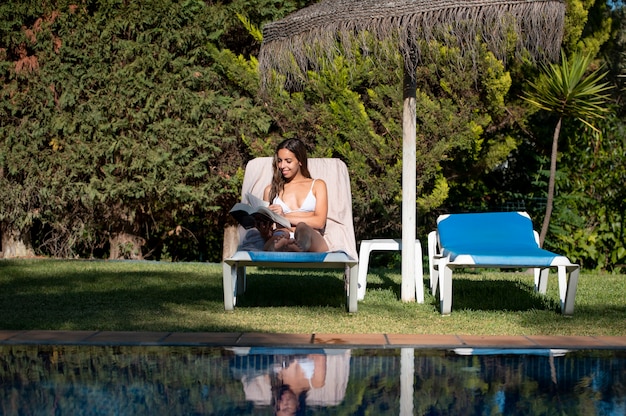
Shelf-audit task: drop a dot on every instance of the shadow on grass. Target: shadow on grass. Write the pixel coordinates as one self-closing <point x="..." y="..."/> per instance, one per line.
<point x="385" y="281"/>
<point x="290" y="287"/>
<point x="474" y="293"/>
<point x="498" y="295"/>
<point x="158" y="297"/>
<point x="104" y="300"/>
<point x="151" y="296"/>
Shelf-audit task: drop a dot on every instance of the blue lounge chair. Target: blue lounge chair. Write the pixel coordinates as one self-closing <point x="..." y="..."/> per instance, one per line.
<point x="494" y="240"/>
<point x="339" y="232"/>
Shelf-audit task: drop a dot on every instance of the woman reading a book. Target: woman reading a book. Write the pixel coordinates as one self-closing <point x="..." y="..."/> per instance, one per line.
<point x="297" y="197"/>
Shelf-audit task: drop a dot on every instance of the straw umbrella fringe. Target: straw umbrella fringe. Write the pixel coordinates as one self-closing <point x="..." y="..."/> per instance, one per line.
<point x="300" y="41"/>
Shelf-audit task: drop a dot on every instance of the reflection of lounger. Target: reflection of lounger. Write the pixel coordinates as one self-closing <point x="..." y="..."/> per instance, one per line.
<point x="257" y="386"/>
<point x="547" y="352"/>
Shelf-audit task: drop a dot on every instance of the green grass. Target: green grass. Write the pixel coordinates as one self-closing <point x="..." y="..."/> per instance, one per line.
<point x="150" y="296"/>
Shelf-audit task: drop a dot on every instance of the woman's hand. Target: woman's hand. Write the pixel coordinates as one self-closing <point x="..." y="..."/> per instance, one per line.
<point x="277" y="209"/>
<point x="265" y="227"/>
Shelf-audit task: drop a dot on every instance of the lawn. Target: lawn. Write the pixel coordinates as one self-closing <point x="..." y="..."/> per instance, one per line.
<point x="155" y="296"/>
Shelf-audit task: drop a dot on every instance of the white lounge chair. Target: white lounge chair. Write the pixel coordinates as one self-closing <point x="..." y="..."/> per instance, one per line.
<point x="339" y="230"/>
<point x="494" y="240"/>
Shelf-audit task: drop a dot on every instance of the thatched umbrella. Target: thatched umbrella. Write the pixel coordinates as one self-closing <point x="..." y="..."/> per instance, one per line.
<point x="295" y="44"/>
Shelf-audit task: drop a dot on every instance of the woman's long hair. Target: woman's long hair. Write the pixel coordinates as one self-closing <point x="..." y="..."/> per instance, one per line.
<point x="278" y="388"/>
<point x="278" y="181"/>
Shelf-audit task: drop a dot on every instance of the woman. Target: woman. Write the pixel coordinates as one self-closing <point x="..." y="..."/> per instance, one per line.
<point x="299" y="198"/>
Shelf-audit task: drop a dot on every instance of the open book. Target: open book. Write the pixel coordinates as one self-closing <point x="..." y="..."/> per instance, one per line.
<point x="245" y="213"/>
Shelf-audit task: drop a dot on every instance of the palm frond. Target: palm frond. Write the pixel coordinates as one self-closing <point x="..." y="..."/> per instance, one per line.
<point x="566" y="89"/>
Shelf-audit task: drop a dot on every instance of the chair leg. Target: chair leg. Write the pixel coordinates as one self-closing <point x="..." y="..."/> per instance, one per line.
<point x="537" y="275"/>
<point x="352" y="278"/>
<point x="432" y="266"/>
<point x="562" y="276"/>
<point x="541" y="279"/>
<point x="438" y="263"/>
<point x="434" y="278"/>
<point x="364" y="258"/>
<point x="419" y="273"/>
<point x="445" y="289"/>
<point x="567" y="301"/>
<point x="229" y="277"/>
<point x="242" y="280"/>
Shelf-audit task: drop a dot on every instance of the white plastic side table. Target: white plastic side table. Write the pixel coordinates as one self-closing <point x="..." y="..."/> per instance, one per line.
<point x="388" y="244"/>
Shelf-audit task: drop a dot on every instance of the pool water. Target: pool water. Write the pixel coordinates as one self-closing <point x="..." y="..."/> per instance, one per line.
<point x="133" y="380"/>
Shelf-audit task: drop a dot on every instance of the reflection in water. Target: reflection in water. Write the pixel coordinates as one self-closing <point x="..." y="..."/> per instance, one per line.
<point x="290" y="380"/>
<point x="121" y="380"/>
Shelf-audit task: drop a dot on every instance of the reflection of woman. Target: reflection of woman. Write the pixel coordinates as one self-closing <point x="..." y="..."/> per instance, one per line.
<point x="298" y="197"/>
<point x="271" y="378"/>
<point x="292" y="381"/>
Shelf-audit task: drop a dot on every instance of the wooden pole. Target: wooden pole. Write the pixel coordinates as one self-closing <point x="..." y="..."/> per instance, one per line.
<point x="409" y="215"/>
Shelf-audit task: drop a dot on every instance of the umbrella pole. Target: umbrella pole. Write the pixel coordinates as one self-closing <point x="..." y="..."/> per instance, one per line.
<point x="409" y="215"/>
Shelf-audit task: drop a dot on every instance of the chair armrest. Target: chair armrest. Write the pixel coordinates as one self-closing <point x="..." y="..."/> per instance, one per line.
<point x="433" y="245"/>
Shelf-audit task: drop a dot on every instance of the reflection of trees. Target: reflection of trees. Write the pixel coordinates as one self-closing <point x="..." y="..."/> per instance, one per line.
<point x="447" y="384"/>
<point x="374" y="384"/>
<point x="517" y="384"/>
<point x="117" y="380"/>
<point x="158" y="380"/>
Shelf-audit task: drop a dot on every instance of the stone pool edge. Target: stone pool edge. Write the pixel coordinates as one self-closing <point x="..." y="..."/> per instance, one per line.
<point x="255" y="339"/>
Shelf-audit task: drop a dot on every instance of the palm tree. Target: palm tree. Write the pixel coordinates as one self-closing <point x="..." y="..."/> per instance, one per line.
<point x="566" y="90"/>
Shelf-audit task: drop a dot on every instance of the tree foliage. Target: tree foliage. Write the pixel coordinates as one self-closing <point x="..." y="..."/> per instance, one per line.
<point x="125" y="126"/>
<point x="590" y="207"/>
<point x="124" y="123"/>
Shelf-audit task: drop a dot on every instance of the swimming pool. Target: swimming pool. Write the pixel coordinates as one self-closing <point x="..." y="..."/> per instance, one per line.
<point x="159" y="380"/>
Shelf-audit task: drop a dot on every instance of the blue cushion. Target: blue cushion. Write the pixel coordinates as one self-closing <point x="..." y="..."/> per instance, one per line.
<point x="494" y="238"/>
<point x="504" y="256"/>
<point x="287" y="257"/>
<point x="284" y="351"/>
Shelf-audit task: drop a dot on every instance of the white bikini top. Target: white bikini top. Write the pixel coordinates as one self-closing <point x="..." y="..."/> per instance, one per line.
<point x="308" y="368"/>
<point x="308" y="205"/>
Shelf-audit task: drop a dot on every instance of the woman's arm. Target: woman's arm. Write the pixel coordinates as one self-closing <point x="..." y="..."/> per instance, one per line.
<point x="266" y="193"/>
<point x="319" y="374"/>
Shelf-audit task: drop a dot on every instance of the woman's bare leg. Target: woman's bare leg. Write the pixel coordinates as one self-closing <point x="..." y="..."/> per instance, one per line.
<point x="283" y="244"/>
<point x="309" y="239"/>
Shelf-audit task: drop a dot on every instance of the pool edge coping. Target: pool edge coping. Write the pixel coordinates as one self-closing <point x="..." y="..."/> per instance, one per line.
<point x="250" y="339"/>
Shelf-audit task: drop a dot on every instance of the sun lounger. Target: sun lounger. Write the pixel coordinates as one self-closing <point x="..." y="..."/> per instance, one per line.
<point x="339" y="232"/>
<point x="494" y="240"/>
